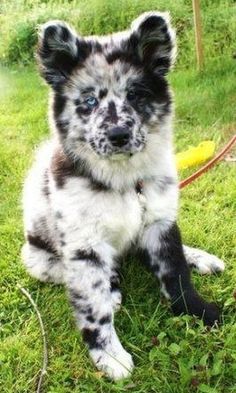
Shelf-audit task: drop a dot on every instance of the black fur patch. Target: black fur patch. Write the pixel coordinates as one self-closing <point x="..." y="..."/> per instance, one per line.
<point x="59" y="102"/>
<point x="90" y="318"/>
<point x="115" y="286"/>
<point x="77" y="101"/>
<point x="98" y="186"/>
<point x="46" y="190"/>
<point x="102" y="93"/>
<point x="171" y="246"/>
<point x="77" y="300"/>
<point x="87" y="90"/>
<point x="112" y="113"/>
<point x="90" y="256"/>
<point x="115" y="282"/>
<point x="151" y="89"/>
<point x="105" y="319"/>
<point x="83" y="110"/>
<point x="123" y="55"/>
<point x="91" y="337"/>
<point x="40" y="243"/>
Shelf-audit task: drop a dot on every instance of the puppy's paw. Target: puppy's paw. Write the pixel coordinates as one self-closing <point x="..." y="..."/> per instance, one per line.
<point x="211" y="314"/>
<point x="115" y="365"/>
<point x="208" y="264"/>
<point x="191" y="303"/>
<point x="202" y="261"/>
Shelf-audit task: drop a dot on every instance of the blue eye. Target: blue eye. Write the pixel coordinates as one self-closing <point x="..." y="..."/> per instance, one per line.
<point x="91" y="101"/>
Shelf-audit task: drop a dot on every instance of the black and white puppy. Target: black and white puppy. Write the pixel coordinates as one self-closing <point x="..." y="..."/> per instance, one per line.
<point x="106" y="181"/>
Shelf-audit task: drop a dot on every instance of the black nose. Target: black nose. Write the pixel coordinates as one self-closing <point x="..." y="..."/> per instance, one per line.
<point x="119" y="136"/>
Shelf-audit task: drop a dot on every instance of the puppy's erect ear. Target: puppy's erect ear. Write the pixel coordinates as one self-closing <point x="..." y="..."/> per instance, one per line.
<point x="154" y="40"/>
<point x="60" y="50"/>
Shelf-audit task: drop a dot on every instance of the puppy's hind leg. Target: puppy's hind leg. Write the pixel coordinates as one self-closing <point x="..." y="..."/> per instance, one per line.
<point x="202" y="261"/>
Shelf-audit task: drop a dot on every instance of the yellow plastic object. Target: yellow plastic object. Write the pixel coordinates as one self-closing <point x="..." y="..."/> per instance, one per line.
<point x="195" y="155"/>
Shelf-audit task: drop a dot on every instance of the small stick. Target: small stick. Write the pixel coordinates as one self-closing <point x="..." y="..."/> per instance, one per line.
<point x="45" y="350"/>
<point x="198" y="33"/>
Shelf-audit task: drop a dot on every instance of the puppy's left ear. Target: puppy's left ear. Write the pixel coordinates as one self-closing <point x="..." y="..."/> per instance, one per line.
<point x="154" y="41"/>
<point x="60" y="50"/>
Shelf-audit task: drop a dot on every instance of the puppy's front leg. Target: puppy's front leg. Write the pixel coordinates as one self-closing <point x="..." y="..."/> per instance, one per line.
<point x="163" y="248"/>
<point x="88" y="279"/>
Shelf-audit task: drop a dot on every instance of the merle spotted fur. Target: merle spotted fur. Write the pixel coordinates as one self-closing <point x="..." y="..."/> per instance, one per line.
<point x="106" y="182"/>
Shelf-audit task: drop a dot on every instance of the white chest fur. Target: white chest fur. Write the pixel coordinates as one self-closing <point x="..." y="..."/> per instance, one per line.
<point x="90" y="217"/>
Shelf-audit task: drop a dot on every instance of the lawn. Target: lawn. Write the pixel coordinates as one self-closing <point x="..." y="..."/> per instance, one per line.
<point x="171" y="354"/>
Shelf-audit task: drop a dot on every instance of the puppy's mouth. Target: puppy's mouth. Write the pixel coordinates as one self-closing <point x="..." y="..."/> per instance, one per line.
<point x="120" y="156"/>
<point x="126" y="152"/>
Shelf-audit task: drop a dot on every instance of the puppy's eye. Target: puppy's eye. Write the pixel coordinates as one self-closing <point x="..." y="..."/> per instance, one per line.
<point x="131" y="95"/>
<point x="91" y="102"/>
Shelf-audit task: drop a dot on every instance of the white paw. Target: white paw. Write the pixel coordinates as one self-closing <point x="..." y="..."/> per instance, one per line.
<point x="115" y="366"/>
<point x="209" y="264"/>
<point x="204" y="262"/>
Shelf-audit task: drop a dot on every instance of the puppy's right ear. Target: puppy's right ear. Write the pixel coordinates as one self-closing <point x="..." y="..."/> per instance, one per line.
<point x="153" y="39"/>
<point x="60" y="50"/>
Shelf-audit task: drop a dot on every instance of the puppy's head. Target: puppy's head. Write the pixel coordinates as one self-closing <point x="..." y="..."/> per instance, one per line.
<point x="109" y="92"/>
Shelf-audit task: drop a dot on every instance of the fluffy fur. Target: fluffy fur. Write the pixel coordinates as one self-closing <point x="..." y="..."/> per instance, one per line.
<point x="106" y="181"/>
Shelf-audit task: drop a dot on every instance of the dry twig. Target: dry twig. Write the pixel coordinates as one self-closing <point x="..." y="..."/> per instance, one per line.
<point x="43" y="370"/>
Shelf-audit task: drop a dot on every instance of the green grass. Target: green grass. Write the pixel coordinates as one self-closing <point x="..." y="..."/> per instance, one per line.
<point x="19" y="20"/>
<point x="188" y="358"/>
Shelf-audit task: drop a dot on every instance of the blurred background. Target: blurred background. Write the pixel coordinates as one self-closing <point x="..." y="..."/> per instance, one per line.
<point x="19" y="20"/>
